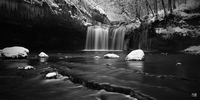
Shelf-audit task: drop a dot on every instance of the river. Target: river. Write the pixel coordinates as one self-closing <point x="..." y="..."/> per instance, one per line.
<point x="162" y="76"/>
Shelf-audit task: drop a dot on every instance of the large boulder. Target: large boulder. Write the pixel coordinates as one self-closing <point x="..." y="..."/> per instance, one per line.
<point x="193" y="49"/>
<point x="135" y="55"/>
<point x="111" y="56"/>
<point x="14" y="52"/>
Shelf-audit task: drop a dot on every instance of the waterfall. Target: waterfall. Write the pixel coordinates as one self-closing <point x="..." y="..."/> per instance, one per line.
<point x="118" y="38"/>
<point x="97" y="38"/>
<point x="100" y="38"/>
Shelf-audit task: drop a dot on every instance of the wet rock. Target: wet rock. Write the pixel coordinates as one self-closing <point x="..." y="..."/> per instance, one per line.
<point x="111" y="56"/>
<point x="135" y="55"/>
<point x="28" y="67"/>
<point x="193" y="49"/>
<point x="97" y="57"/>
<point x="21" y="73"/>
<point x="178" y="63"/>
<point x="43" y="55"/>
<point x="194" y="94"/>
<point x="108" y="87"/>
<point x="48" y="70"/>
<point x="108" y="64"/>
<point x="164" y="53"/>
<point x="51" y="75"/>
<point x="14" y="52"/>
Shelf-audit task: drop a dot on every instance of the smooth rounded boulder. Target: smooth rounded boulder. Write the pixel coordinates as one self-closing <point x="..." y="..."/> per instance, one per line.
<point x="97" y="57"/>
<point x="14" y="52"/>
<point x="111" y="56"/>
<point x="51" y="75"/>
<point x="135" y="55"/>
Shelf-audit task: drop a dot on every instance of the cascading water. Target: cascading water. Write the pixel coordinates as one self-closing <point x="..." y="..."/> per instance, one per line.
<point x="100" y="38"/>
<point x="117" y="38"/>
<point x="97" y="38"/>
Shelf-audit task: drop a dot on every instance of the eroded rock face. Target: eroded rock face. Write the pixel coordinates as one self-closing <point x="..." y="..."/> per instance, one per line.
<point x="135" y="55"/>
<point x="15" y="52"/>
<point x="111" y="56"/>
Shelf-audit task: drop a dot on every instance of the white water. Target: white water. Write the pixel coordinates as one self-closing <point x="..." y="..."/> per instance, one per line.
<point x="97" y="38"/>
<point x="100" y="39"/>
<point x="118" y="38"/>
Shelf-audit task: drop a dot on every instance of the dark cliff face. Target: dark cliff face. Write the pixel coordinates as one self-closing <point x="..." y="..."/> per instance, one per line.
<point x="45" y="25"/>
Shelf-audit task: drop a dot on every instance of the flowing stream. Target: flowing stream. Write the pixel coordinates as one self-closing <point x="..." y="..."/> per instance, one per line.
<point x="174" y="76"/>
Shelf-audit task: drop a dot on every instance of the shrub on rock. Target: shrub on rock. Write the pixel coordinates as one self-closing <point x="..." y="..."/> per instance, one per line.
<point x="135" y="55"/>
<point x="14" y="52"/>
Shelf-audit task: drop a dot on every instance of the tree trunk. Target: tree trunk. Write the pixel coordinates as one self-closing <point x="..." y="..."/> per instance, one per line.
<point x="156" y="8"/>
<point x="137" y="9"/>
<point x="170" y="6"/>
<point x="150" y="7"/>
<point x="147" y="6"/>
<point x="163" y="4"/>
<point x="174" y="4"/>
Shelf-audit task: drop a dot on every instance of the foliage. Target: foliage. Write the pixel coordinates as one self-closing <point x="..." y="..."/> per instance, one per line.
<point x="133" y="9"/>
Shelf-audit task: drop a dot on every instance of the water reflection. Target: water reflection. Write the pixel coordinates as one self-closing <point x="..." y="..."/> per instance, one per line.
<point x="43" y="60"/>
<point x="136" y="65"/>
<point x="15" y="64"/>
